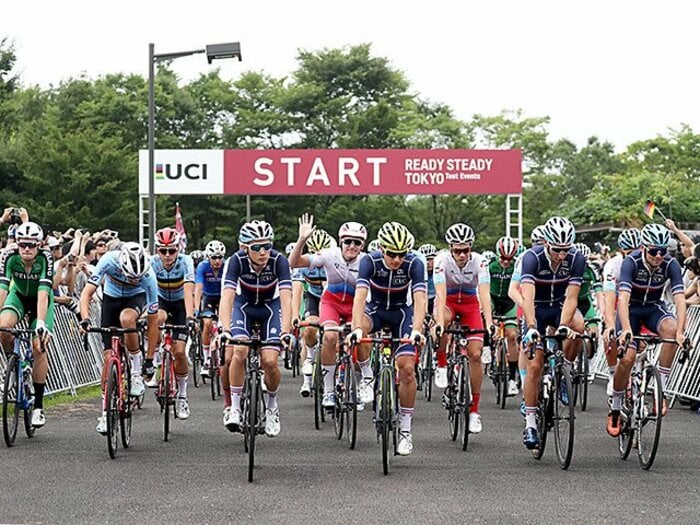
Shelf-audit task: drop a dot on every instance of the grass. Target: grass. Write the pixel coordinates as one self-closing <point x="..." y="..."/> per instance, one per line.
<point x="65" y="398"/>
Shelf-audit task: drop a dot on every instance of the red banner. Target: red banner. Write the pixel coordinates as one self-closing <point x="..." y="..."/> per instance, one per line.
<point x="365" y="172"/>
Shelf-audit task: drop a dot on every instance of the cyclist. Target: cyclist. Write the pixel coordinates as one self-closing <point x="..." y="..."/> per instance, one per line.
<point x="500" y="273"/>
<point x="26" y="280"/>
<point x="462" y="285"/>
<point x="197" y="257"/>
<point x="373" y="246"/>
<point x="130" y="288"/>
<point x="643" y="275"/>
<point x="550" y="283"/>
<point x="341" y="265"/>
<point x="307" y="284"/>
<point x="628" y="241"/>
<point x="257" y="289"/>
<point x="429" y="251"/>
<point x="591" y="287"/>
<point x="207" y="294"/>
<point x="389" y="274"/>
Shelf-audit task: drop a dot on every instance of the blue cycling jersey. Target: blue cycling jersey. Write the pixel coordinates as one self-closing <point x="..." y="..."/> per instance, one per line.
<point x="257" y="287"/>
<point x="117" y="285"/>
<point x="551" y="285"/>
<point x="313" y="277"/>
<point x="389" y="288"/>
<point x="171" y="283"/>
<point x="646" y="285"/>
<point x="210" y="278"/>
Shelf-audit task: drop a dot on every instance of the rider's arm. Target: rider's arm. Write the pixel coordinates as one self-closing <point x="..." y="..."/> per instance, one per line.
<point x="420" y="306"/>
<point x="285" y="288"/>
<point x="297" y="294"/>
<point x="578" y="267"/>
<point x="358" y="307"/>
<point x="527" y="287"/>
<point x="676" y="278"/>
<point x="5" y="277"/>
<point x="42" y="304"/>
<point x="440" y="290"/>
<point x="484" y="292"/>
<point x="198" y="289"/>
<point x="229" y="283"/>
<point x="623" y="311"/>
<point x="85" y="298"/>
<point x="609" y="308"/>
<point x="514" y="292"/>
<point x="419" y="288"/>
<point x="296" y="259"/>
<point x="188" y="287"/>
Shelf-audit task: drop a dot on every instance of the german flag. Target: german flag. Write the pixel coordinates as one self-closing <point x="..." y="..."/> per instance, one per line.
<point x="649" y="208"/>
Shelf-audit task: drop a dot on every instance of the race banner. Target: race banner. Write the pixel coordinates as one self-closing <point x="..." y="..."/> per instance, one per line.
<point x="336" y="172"/>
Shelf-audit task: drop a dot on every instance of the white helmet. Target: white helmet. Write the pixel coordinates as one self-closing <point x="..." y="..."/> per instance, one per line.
<point x="459" y="233"/>
<point x="507" y="247"/>
<point x="537" y="234"/>
<point x="255" y="231"/>
<point x="352" y="229"/>
<point x="373" y="245"/>
<point x="133" y="260"/>
<point x="652" y="235"/>
<point x="630" y="239"/>
<point x="559" y="231"/>
<point x="288" y="249"/>
<point x="584" y="249"/>
<point x="428" y="250"/>
<point x="488" y="255"/>
<point x="215" y="249"/>
<point x="29" y="231"/>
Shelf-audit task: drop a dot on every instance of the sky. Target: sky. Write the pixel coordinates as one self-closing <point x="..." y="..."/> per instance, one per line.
<point x="621" y="70"/>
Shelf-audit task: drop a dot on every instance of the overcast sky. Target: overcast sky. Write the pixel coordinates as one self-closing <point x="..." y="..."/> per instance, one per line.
<point x="622" y="70"/>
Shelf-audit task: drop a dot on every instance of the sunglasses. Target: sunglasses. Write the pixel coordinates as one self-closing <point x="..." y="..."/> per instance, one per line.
<point x="657" y="251"/>
<point x="354" y="242"/>
<point x="395" y="255"/>
<point x="259" y="247"/>
<point x="506" y="259"/>
<point x="559" y="249"/>
<point x="100" y="244"/>
<point x="461" y="251"/>
<point x="216" y="257"/>
<point x="167" y="251"/>
<point x="27" y="245"/>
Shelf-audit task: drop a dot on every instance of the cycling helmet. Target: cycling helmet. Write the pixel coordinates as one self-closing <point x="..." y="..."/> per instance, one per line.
<point x="411" y="241"/>
<point x="559" y="231"/>
<point x="459" y="233"/>
<point x="373" y="246"/>
<point x="520" y="250"/>
<point x="629" y="239"/>
<point x="255" y="231"/>
<point x="507" y="247"/>
<point x="488" y="255"/>
<point x="197" y="257"/>
<point x="352" y="229"/>
<point x="428" y="250"/>
<point x="167" y="237"/>
<point x="318" y="240"/>
<point x="395" y="237"/>
<point x="133" y="260"/>
<point x="29" y="231"/>
<point x="215" y="249"/>
<point x="537" y="234"/>
<point x="584" y="249"/>
<point x="655" y="235"/>
<point x="288" y="249"/>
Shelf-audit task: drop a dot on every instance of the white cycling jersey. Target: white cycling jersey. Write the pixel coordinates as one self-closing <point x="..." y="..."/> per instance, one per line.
<point x="460" y="282"/>
<point x="611" y="273"/>
<point x="341" y="275"/>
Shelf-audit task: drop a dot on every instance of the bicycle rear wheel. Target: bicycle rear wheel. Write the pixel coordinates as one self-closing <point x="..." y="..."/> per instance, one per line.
<point x="464" y="400"/>
<point x="563" y="418"/>
<point x="165" y="393"/>
<point x="649" y="407"/>
<point x="624" y="440"/>
<point x="427" y="370"/>
<point x="112" y="394"/>
<point x="385" y="415"/>
<point x="544" y="412"/>
<point x="125" y="413"/>
<point x="317" y="389"/>
<point x="10" y="401"/>
<point x="350" y="403"/>
<point x="502" y="373"/>
<point x="214" y="378"/>
<point x="196" y="356"/>
<point x="339" y="378"/>
<point x="252" y="420"/>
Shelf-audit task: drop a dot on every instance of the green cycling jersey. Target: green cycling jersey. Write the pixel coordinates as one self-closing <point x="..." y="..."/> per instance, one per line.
<point x="500" y="278"/>
<point x="26" y="282"/>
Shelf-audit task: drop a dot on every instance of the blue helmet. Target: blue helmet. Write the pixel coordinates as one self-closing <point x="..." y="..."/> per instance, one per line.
<point x="655" y="235"/>
<point x="629" y="239"/>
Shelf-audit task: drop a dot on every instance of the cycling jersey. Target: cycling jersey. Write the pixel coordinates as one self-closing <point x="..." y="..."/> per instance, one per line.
<point x="461" y="282"/>
<point x="389" y="288"/>
<point x="646" y="285"/>
<point x="500" y="278"/>
<point x="611" y="273"/>
<point x="551" y="285"/>
<point x="591" y="282"/>
<point x="341" y="275"/>
<point x="209" y="278"/>
<point x="257" y="287"/>
<point x="117" y="284"/>
<point x="24" y="286"/>
<point x="171" y="282"/>
<point x="314" y="278"/>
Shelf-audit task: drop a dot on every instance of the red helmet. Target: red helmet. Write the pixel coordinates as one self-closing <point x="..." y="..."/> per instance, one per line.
<point x="167" y="237"/>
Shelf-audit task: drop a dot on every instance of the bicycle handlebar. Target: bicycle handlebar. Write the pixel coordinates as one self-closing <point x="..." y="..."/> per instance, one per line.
<point x="397" y="340"/>
<point x="173" y="327"/>
<point x="249" y="342"/>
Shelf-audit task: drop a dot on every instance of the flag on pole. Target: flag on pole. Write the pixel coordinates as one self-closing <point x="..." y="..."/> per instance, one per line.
<point x="649" y="208"/>
<point x="180" y="227"/>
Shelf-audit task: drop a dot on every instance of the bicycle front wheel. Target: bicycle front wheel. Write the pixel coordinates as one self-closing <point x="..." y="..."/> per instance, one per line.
<point x="350" y="407"/>
<point x="624" y="440"/>
<point x="464" y="400"/>
<point x="165" y="392"/>
<point x="339" y="378"/>
<point x="648" y="413"/>
<point x="427" y="370"/>
<point x="502" y="386"/>
<point x="385" y="415"/>
<point x="214" y="374"/>
<point x="252" y="420"/>
<point x="583" y="385"/>
<point x="10" y="401"/>
<point x="453" y="413"/>
<point x="544" y="413"/>
<point x="563" y="417"/>
<point x="317" y="387"/>
<point x="112" y="394"/>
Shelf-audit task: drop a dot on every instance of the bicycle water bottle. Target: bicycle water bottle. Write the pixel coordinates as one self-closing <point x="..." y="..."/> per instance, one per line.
<point x="546" y="382"/>
<point x="27" y="378"/>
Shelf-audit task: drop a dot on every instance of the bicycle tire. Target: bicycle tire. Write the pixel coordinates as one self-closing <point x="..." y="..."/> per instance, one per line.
<point x="165" y="385"/>
<point x="543" y="411"/>
<point x="351" y="408"/>
<point x="252" y="420"/>
<point x="430" y="369"/>
<point x="649" y="415"/>
<point x="465" y="400"/>
<point x="452" y="411"/>
<point x="213" y="375"/>
<point x="125" y="410"/>
<point x="583" y="393"/>
<point x="339" y="408"/>
<point x="317" y="389"/>
<point x="564" y="418"/>
<point x="195" y="355"/>
<point x="385" y="415"/>
<point x="112" y="395"/>
<point x="10" y="401"/>
<point x="624" y="440"/>
<point x="503" y="372"/>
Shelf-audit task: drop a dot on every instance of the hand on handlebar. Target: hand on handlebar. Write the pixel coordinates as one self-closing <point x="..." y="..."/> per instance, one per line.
<point x="85" y="325"/>
<point x="624" y="337"/>
<point x="566" y="331"/>
<point x="417" y="338"/>
<point x="354" y="336"/>
<point x="531" y="336"/>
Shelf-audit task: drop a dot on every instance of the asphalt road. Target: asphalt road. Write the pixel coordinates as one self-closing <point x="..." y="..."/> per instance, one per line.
<point x="64" y="474"/>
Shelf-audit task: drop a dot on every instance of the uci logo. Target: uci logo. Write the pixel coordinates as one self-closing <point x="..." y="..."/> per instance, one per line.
<point x="177" y="171"/>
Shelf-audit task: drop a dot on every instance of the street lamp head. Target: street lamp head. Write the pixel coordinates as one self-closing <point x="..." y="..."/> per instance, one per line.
<point x="228" y="50"/>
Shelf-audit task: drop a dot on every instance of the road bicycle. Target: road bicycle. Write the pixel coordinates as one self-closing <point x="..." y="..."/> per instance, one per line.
<point x="580" y="372"/>
<point x="427" y="364"/>
<point x="499" y="368"/>
<point x="346" y="396"/>
<point x="166" y="393"/>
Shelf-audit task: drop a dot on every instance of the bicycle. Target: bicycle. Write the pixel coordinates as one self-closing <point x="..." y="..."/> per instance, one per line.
<point x="316" y="375"/>
<point x="552" y="412"/>
<point x="642" y="403"/>
<point x="196" y="356"/>
<point x="499" y="369"/>
<point x="457" y="397"/>
<point x="346" y="397"/>
<point x="386" y="394"/>
<point x="18" y="386"/>
<point x="580" y="372"/>
<point x="166" y="393"/>
<point x="215" y="360"/>
<point x="117" y="402"/>
<point x="427" y="362"/>
<point x="252" y="401"/>
<point x="292" y="357"/>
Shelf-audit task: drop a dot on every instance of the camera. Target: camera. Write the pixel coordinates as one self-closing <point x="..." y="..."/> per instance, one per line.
<point x="15" y="217"/>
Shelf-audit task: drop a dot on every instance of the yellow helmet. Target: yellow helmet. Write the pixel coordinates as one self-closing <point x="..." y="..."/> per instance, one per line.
<point x="395" y="237"/>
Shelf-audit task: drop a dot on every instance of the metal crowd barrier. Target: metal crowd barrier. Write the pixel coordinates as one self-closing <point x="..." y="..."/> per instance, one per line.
<point x="684" y="381"/>
<point x="70" y="365"/>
